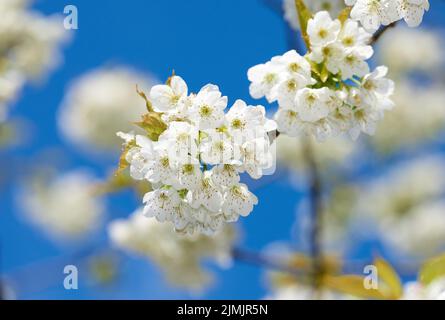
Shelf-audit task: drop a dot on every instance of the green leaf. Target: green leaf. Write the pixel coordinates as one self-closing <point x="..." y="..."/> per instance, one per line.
<point x="324" y="74"/>
<point x="142" y="94"/>
<point x="304" y="14"/>
<point x="390" y="277"/>
<point x="432" y="269"/>
<point x="153" y="125"/>
<point x="352" y="285"/>
<point x="344" y="14"/>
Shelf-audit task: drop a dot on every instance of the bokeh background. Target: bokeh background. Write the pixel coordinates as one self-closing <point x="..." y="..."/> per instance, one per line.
<point x="203" y="41"/>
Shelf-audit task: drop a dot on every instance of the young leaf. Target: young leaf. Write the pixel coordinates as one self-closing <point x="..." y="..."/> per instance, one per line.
<point x="153" y="125"/>
<point x="390" y="277"/>
<point x="352" y="285"/>
<point x="324" y="75"/>
<point x="432" y="269"/>
<point x="304" y="14"/>
<point x="142" y="94"/>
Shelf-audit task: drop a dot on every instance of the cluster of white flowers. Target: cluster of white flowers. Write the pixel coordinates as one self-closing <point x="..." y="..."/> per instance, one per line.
<point x="407" y="205"/>
<point x="179" y="256"/>
<point x="374" y="13"/>
<point x="331" y="89"/>
<point x="421" y="109"/>
<point x="422" y="50"/>
<point x="195" y="163"/>
<point x="100" y="103"/>
<point x="417" y="291"/>
<point x="29" y="45"/>
<point x="65" y="206"/>
<point x="334" y="7"/>
<point x="330" y="153"/>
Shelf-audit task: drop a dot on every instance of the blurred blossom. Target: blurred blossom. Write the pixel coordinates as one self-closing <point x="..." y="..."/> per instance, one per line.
<point x="301" y="292"/>
<point x="179" y="256"/>
<point x="99" y="104"/>
<point x="334" y="151"/>
<point x="404" y="50"/>
<point x="290" y="12"/>
<point x="64" y="206"/>
<point x="418" y="291"/>
<point x="406" y="205"/>
<point x="29" y="47"/>
<point x="418" y="116"/>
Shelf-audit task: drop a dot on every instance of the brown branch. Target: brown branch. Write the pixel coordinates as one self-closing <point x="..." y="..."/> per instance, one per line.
<point x="379" y="33"/>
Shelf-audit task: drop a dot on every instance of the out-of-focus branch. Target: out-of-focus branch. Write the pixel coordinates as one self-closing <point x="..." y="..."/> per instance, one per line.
<point x="315" y="210"/>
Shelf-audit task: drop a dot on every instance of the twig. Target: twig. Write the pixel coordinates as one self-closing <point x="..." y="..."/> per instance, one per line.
<point x="377" y="35"/>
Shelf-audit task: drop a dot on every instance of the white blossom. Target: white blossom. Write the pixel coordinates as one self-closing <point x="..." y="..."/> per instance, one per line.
<point x="417" y="291"/>
<point x="64" y="206"/>
<point x="30" y="46"/>
<point x="100" y="103"/>
<point x="406" y="206"/>
<point x="329" y="91"/>
<point x="169" y="97"/>
<point x="374" y="13"/>
<point x="422" y="50"/>
<point x="178" y="256"/>
<point x="195" y="163"/>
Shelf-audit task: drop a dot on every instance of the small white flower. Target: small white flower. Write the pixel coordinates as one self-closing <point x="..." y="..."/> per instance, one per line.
<point x="218" y="148"/>
<point x="207" y="195"/>
<point x="161" y="203"/>
<point x="373" y="13"/>
<point x="288" y="121"/>
<point x="189" y="175"/>
<point x="352" y="35"/>
<point x="412" y="11"/>
<point x="225" y="175"/>
<point x="354" y="64"/>
<point x="377" y="89"/>
<point x="331" y="54"/>
<point x="294" y="64"/>
<point x="322" y="30"/>
<point x="312" y="104"/>
<point x="181" y="140"/>
<point x="257" y="157"/>
<point x="208" y="108"/>
<point x="168" y="97"/>
<point x="264" y="78"/>
<point x="238" y="200"/>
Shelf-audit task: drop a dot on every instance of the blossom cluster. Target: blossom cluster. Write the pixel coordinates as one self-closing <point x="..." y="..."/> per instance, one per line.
<point x="96" y="106"/>
<point x="407" y="206"/>
<point x="29" y="45"/>
<point x="179" y="256"/>
<point x="331" y="89"/>
<point x="373" y="13"/>
<point x="64" y="206"/>
<point x="194" y="164"/>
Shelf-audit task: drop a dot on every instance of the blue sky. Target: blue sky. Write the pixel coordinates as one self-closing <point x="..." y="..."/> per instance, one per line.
<point x="203" y="41"/>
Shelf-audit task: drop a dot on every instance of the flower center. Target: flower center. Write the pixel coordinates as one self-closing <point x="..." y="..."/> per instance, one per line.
<point x="294" y="67"/>
<point x="237" y="124"/>
<point x="269" y="78"/>
<point x="205" y="111"/>
<point x="322" y="33"/>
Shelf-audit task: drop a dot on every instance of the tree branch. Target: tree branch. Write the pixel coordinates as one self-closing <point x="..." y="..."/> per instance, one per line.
<point x="379" y="33"/>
